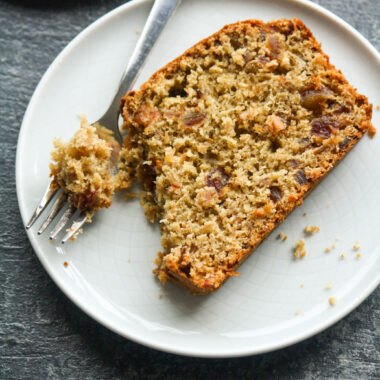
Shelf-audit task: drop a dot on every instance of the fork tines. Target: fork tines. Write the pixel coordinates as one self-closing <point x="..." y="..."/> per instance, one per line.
<point x="47" y="197"/>
<point x="58" y="205"/>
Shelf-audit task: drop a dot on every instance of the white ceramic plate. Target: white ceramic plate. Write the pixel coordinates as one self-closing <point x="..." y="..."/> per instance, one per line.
<point x="110" y="267"/>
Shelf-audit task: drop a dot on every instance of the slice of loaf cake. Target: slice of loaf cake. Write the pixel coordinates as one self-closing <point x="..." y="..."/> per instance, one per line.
<point x="228" y="138"/>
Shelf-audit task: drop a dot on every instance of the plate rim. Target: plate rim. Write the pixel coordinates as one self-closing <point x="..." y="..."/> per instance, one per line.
<point x="90" y="310"/>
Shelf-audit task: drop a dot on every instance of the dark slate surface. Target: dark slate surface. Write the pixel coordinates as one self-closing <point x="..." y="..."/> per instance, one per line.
<point x="42" y="334"/>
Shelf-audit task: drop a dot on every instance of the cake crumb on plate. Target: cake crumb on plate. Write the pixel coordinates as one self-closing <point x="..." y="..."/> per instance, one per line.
<point x="310" y="230"/>
<point x="299" y="249"/>
<point x="332" y="301"/>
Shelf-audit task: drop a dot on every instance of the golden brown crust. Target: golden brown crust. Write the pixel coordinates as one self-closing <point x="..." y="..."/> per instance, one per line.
<point x="325" y="102"/>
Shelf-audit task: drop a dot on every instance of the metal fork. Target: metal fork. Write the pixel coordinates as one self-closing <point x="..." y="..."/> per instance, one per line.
<point x="157" y="19"/>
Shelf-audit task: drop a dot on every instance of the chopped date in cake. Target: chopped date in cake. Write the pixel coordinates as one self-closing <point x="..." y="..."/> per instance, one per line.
<point x="290" y="29"/>
<point x="340" y="108"/>
<point x="90" y="199"/>
<point x="293" y="163"/>
<point x="262" y="61"/>
<point x="193" y="118"/>
<point x="304" y="141"/>
<point x="344" y="143"/>
<point x="148" y="174"/>
<point x="313" y="99"/>
<point x="146" y="115"/>
<point x="320" y="129"/>
<point x="217" y="178"/>
<point x="301" y="177"/>
<point x="324" y="126"/>
<point x="276" y="47"/>
<point x="275" y="193"/>
<point x="248" y="55"/>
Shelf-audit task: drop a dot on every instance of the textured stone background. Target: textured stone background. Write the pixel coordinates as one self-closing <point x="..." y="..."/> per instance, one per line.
<point x="42" y="334"/>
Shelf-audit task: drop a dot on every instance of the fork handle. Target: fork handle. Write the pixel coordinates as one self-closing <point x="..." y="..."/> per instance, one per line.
<point x="157" y="19"/>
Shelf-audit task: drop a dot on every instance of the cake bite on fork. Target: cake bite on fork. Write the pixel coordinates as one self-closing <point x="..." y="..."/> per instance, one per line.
<point x="83" y="174"/>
